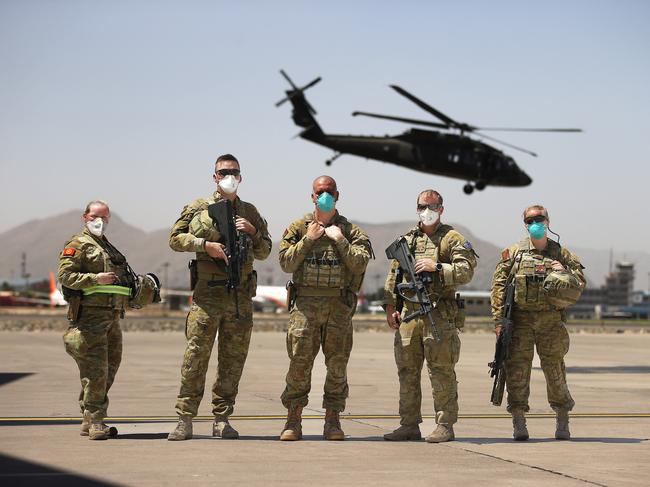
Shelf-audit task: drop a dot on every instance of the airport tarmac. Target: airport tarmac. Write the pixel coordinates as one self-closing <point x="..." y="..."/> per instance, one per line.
<point x="39" y="443"/>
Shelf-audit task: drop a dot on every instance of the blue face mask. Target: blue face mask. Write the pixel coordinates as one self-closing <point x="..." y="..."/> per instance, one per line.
<point x="325" y="202"/>
<point x="537" y="230"/>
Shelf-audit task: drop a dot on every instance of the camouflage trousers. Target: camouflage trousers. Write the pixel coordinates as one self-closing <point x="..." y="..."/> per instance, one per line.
<point x="211" y="316"/>
<point x="546" y="331"/>
<point x="317" y="321"/>
<point x="441" y="359"/>
<point x="95" y="343"/>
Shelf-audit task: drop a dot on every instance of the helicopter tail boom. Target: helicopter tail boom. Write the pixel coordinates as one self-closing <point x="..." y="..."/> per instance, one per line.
<point x="303" y="113"/>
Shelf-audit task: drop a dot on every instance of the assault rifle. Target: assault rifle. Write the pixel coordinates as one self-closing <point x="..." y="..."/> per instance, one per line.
<point x="236" y="249"/>
<point x="497" y="366"/>
<point x="399" y="251"/>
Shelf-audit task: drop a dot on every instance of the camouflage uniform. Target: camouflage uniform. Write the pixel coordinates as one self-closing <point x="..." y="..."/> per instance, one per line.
<point x="536" y="322"/>
<point x="213" y="308"/>
<point x="414" y="341"/>
<point x="94" y="340"/>
<point x="327" y="276"/>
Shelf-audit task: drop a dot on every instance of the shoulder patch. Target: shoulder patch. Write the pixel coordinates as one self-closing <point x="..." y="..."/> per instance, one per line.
<point x="505" y="255"/>
<point x="68" y="252"/>
<point x="467" y="245"/>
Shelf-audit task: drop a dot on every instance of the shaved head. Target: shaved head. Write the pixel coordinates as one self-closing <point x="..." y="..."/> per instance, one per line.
<point x="324" y="183"/>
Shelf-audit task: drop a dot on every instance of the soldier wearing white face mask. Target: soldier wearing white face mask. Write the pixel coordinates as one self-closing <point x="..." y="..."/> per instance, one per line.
<point x="442" y="251"/>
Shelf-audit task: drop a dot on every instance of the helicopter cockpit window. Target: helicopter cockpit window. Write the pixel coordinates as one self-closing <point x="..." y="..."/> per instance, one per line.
<point x="453" y="157"/>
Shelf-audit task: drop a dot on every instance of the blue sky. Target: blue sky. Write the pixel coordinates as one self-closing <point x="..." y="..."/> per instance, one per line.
<point x="132" y="101"/>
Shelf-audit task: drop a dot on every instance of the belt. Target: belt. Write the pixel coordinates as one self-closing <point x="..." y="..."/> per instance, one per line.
<point x="320" y="291"/>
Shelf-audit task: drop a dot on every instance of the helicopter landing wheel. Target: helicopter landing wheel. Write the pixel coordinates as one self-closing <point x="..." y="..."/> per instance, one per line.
<point x="480" y="185"/>
<point x="328" y="162"/>
<point x="468" y="188"/>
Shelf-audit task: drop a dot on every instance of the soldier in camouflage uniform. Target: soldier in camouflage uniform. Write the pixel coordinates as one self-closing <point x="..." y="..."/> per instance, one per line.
<point x="431" y="242"/>
<point x="327" y="256"/>
<point x="96" y="284"/>
<point x="538" y="320"/>
<point x="213" y="311"/>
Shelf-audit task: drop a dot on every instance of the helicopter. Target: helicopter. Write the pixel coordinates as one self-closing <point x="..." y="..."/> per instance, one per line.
<point x="452" y="153"/>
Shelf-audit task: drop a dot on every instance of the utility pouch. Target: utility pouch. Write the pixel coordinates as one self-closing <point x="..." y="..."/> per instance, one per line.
<point x="460" y="314"/>
<point x="194" y="273"/>
<point x="74" y="307"/>
<point x="291" y="294"/>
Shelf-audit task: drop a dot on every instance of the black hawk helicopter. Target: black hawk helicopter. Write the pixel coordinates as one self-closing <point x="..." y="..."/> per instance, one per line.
<point x="455" y="155"/>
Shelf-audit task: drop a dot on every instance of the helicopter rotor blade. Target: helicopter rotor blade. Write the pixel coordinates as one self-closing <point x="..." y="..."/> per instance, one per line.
<point x="295" y="90"/>
<point x="286" y="76"/>
<point x="506" y="144"/>
<point x="504" y="129"/>
<point x="428" y="108"/>
<point x="402" y="119"/>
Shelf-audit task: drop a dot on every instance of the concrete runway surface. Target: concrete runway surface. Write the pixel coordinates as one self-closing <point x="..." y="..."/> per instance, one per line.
<point x="609" y="377"/>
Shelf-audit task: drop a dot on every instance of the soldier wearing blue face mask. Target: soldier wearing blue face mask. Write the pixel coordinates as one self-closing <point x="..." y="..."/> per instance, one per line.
<point x="327" y="256"/>
<point x="547" y="279"/>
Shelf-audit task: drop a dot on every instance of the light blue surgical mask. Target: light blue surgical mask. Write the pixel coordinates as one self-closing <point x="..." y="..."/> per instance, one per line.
<point x="537" y="230"/>
<point x="325" y="202"/>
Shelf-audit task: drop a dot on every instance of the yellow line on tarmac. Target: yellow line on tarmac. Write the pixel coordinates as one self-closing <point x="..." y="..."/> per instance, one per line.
<point x="266" y="417"/>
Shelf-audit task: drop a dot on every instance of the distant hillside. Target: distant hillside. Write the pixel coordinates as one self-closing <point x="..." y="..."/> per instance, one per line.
<point x="43" y="239"/>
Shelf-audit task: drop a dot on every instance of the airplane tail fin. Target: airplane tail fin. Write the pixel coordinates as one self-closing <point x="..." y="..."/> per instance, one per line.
<point x="303" y="113"/>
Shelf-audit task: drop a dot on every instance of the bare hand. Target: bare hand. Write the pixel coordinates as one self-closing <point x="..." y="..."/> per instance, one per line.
<point x="425" y="265"/>
<point x="497" y="330"/>
<point x="314" y="231"/>
<point x="216" y="251"/>
<point x="243" y="225"/>
<point x="557" y="266"/>
<point x="106" y="278"/>
<point x="392" y="317"/>
<point x="334" y="233"/>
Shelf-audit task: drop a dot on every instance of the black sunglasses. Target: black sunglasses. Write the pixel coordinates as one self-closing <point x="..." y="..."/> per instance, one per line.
<point x="431" y="206"/>
<point x="534" y="219"/>
<point x="228" y="172"/>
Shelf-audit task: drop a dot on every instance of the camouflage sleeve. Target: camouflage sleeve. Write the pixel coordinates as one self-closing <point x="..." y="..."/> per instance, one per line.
<point x="180" y="238"/>
<point x="355" y="252"/>
<point x="390" y="298"/>
<point x="462" y="260"/>
<point x="71" y="266"/>
<point x="499" y="279"/>
<point x="293" y="248"/>
<point x="572" y="264"/>
<point x="261" y="240"/>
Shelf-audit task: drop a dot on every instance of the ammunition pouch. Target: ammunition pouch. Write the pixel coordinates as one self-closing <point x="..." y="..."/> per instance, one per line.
<point x="322" y="272"/>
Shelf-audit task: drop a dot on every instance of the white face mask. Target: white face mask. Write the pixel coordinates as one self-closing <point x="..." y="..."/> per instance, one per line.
<point x="229" y="184"/>
<point x="429" y="217"/>
<point x="96" y="227"/>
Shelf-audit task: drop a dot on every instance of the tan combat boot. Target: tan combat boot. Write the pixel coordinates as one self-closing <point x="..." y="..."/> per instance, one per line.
<point x="562" y="425"/>
<point x="293" y="428"/>
<point x="97" y="431"/>
<point x="183" y="430"/>
<point x="442" y="433"/>
<point x="519" y="430"/>
<point x="111" y="431"/>
<point x="404" y="433"/>
<point x="332" y="429"/>
<point x="221" y="429"/>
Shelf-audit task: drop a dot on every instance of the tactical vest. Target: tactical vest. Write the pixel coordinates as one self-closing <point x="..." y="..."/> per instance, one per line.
<point x="423" y="247"/>
<point x="322" y="268"/>
<point x="531" y="270"/>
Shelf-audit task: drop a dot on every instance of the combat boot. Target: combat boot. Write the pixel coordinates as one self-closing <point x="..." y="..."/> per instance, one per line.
<point x="519" y="430"/>
<point x="442" y="433"/>
<point x="97" y="431"/>
<point x="183" y="430"/>
<point x="221" y="429"/>
<point x="562" y="425"/>
<point x="293" y="428"/>
<point x="404" y="433"/>
<point x="111" y="431"/>
<point x="332" y="429"/>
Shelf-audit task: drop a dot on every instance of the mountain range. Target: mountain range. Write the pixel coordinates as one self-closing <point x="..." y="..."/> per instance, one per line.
<point x="43" y="239"/>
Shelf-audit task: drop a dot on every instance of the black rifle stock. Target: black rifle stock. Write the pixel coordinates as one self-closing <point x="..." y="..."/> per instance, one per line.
<point x="223" y="218"/>
<point x="399" y="251"/>
<point x="497" y="366"/>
